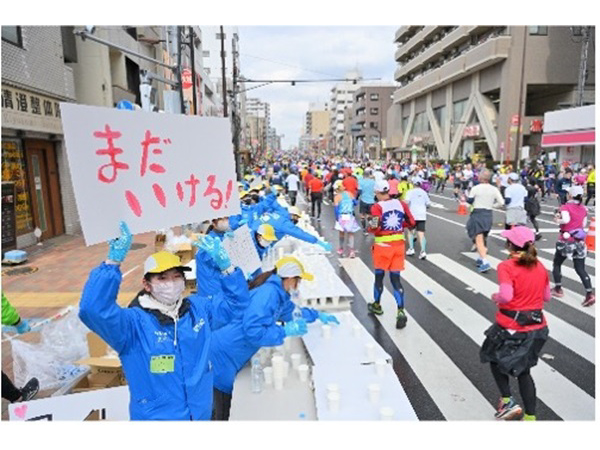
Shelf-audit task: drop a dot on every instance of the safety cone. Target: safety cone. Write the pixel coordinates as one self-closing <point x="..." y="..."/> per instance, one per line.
<point x="462" y="208"/>
<point x="590" y="239"/>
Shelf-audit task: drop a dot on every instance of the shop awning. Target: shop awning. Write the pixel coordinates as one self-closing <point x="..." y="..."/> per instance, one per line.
<point x="569" y="138"/>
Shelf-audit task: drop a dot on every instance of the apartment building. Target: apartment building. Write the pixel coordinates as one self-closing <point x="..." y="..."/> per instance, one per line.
<point x="36" y="78"/>
<point x="369" y="124"/>
<point x="482" y="91"/>
<point x="258" y="122"/>
<point x="315" y="133"/>
<point x="342" y="96"/>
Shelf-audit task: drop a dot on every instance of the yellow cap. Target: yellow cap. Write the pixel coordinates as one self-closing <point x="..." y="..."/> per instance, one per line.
<point x="248" y="177"/>
<point x="163" y="261"/>
<point x="267" y="232"/>
<point x="240" y="184"/>
<point x="243" y="194"/>
<point x="290" y="267"/>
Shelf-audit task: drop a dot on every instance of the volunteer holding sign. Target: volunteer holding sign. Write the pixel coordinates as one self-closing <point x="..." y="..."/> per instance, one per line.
<point x="163" y="338"/>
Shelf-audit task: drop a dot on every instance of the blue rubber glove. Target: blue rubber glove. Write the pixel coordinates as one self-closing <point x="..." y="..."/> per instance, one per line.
<point x="326" y="246"/>
<point x="119" y="247"/>
<point x="295" y="328"/>
<point x="274" y="191"/>
<point x="206" y="243"/>
<point x="328" y="318"/>
<point x="220" y="256"/>
<point x="23" y="327"/>
<point x="242" y="222"/>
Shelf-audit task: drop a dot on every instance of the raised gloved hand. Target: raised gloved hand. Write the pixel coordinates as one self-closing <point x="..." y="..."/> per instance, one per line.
<point x="205" y="243"/>
<point x="119" y="247"/>
<point x="23" y="326"/>
<point x="326" y="246"/>
<point x="328" y="318"/>
<point x="220" y="257"/>
<point x="295" y="328"/>
<point x="242" y="222"/>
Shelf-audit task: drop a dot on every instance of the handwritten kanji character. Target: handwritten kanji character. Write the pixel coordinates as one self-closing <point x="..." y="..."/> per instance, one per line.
<point x="149" y="140"/>
<point x="112" y="152"/>
<point x="193" y="182"/>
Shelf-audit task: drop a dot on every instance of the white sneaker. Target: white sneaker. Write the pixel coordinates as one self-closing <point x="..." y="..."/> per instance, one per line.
<point x="422" y="255"/>
<point x="410" y="252"/>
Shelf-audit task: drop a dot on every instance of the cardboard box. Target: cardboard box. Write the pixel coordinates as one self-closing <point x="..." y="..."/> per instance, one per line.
<point x="159" y="242"/>
<point x="185" y="252"/>
<point x="103" y="362"/>
<point x="96" y="381"/>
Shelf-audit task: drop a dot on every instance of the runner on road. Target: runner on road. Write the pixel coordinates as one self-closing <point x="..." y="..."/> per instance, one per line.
<point x="514" y="198"/>
<point x="418" y="201"/>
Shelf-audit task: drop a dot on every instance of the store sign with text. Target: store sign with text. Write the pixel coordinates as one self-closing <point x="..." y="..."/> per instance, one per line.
<point x="24" y="110"/>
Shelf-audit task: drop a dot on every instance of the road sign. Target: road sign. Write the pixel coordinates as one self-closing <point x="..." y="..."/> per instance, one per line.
<point x="125" y="104"/>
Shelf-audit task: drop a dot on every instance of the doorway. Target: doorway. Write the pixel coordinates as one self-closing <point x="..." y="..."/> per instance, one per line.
<point x="44" y="187"/>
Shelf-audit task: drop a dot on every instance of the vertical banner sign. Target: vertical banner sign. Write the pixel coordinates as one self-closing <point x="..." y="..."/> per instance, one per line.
<point x="151" y="170"/>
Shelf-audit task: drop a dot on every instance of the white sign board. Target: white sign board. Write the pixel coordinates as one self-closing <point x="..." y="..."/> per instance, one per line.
<point x="525" y="152"/>
<point x="241" y="250"/>
<point x="109" y="404"/>
<point x="151" y="170"/>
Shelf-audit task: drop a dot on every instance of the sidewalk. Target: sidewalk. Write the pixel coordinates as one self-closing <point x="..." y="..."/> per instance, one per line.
<point x="63" y="264"/>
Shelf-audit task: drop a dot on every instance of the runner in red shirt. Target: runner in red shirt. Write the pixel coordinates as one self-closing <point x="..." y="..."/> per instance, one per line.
<point x="309" y="176"/>
<point x="315" y="188"/>
<point x="514" y="341"/>
<point x="351" y="184"/>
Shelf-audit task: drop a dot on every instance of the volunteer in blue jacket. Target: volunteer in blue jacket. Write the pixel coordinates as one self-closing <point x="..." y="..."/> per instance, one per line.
<point x="272" y="299"/>
<point x="163" y="338"/>
<point x="283" y="225"/>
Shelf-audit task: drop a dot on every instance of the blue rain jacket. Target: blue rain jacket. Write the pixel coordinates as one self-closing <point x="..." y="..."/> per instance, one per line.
<point x="168" y="379"/>
<point x="283" y="225"/>
<point x="234" y="344"/>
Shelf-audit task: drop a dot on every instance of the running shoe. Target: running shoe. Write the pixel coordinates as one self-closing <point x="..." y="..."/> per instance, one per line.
<point x="30" y="389"/>
<point x="557" y="292"/>
<point x="422" y="255"/>
<point x="340" y="251"/>
<point x="473" y="247"/>
<point x="509" y="411"/>
<point x="590" y="299"/>
<point x="538" y="236"/>
<point x="401" y="319"/>
<point x="318" y="219"/>
<point x="351" y="253"/>
<point x="375" y="308"/>
<point x="410" y="252"/>
<point x="483" y="267"/>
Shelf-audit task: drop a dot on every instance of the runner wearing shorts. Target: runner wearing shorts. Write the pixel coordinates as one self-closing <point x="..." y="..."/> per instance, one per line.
<point x="388" y="219"/>
<point x="418" y="201"/>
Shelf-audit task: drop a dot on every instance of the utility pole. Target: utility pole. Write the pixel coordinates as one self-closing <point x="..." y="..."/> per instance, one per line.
<point x="223" y="73"/>
<point x="192" y="48"/>
<point x="179" y="69"/>
<point x="585" y="42"/>
<point x="235" y="112"/>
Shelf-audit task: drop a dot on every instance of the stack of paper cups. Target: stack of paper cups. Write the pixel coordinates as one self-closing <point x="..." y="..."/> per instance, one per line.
<point x="296" y="359"/>
<point x="370" y="350"/>
<point x="380" y="367"/>
<point x="303" y="372"/>
<point x="333" y="401"/>
<point x="386" y="413"/>
<point x="278" y="371"/>
<point x="268" y="373"/>
<point x="374" y="392"/>
<point x="286" y="369"/>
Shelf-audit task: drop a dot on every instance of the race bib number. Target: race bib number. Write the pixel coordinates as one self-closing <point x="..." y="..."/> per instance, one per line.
<point x="162" y="364"/>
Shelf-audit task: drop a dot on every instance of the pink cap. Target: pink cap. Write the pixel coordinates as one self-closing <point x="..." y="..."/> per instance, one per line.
<point x="519" y="235"/>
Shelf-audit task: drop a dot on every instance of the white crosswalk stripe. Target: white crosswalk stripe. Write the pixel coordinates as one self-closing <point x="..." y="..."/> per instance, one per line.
<point x="581" y="343"/>
<point x="453" y="393"/>
<point x="571" y="298"/>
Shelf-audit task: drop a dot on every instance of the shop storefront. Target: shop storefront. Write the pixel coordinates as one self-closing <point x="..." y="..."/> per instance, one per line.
<point x="571" y="135"/>
<point x="32" y="153"/>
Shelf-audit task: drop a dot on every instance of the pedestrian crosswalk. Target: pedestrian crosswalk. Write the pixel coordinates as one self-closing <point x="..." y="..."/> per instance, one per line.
<point x="562" y="378"/>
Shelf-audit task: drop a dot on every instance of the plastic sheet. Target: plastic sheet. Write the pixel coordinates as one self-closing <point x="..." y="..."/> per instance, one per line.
<point x="51" y="361"/>
<point x="172" y="241"/>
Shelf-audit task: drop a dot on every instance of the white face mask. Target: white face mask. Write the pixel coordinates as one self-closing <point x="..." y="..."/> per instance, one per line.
<point x="263" y="242"/>
<point x="222" y="225"/>
<point x="168" y="293"/>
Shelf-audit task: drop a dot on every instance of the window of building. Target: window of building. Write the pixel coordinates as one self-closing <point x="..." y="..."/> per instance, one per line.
<point x="12" y="35"/>
<point x="14" y="169"/>
<point x="132" y="31"/>
<point x="133" y="78"/>
<point x="205" y="53"/>
<point x="440" y="115"/>
<point x="374" y="97"/>
<point x="404" y="124"/>
<point x="68" y="44"/>
<point x="538" y="30"/>
<point x="421" y="124"/>
<point x="374" y="111"/>
<point x="458" y="110"/>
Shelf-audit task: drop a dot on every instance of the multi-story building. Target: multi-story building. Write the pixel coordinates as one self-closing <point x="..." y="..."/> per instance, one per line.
<point x="316" y="127"/>
<point x="36" y="78"/>
<point x="482" y="90"/>
<point x="369" y="124"/>
<point x="341" y="98"/>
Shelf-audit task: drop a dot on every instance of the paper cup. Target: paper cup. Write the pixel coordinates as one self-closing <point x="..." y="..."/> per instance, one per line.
<point x="286" y="369"/>
<point x="278" y="383"/>
<point x="356" y="330"/>
<point x="277" y="363"/>
<point x="333" y="387"/>
<point x="374" y="392"/>
<point x="370" y="350"/>
<point x="333" y="401"/>
<point x="326" y="330"/>
<point x="296" y="360"/>
<point x="380" y="367"/>
<point x="303" y="372"/>
<point x="268" y="373"/>
<point x="386" y="413"/>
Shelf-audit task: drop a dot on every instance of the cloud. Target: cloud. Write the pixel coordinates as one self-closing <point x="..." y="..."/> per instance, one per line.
<point x="314" y="53"/>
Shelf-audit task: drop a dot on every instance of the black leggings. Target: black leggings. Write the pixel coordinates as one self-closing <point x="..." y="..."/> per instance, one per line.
<point x="579" y="265"/>
<point x="526" y="387"/>
<point x="591" y="192"/>
<point x="534" y="222"/>
<point x="316" y="198"/>
<point x="221" y="405"/>
<point x="9" y="390"/>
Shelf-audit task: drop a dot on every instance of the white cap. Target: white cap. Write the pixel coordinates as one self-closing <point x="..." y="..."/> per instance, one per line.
<point x="574" y="191"/>
<point x="382" y="186"/>
<point x="417" y="180"/>
<point x="513" y="176"/>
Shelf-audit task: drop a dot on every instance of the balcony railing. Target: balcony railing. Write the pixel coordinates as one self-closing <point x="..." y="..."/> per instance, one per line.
<point x="404" y="30"/>
<point x="415" y="41"/>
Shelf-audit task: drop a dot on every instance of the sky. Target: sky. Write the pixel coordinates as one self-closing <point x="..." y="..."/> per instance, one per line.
<point x="310" y="52"/>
